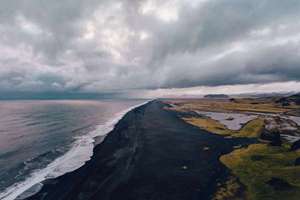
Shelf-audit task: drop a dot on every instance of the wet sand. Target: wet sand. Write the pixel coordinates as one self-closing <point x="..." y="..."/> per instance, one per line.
<point x="150" y="155"/>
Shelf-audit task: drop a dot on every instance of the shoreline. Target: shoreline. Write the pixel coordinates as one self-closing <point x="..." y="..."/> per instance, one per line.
<point x="34" y="182"/>
<point x="149" y="153"/>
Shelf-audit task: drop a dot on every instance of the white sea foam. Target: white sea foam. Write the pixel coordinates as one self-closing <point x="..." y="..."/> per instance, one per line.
<point x="77" y="156"/>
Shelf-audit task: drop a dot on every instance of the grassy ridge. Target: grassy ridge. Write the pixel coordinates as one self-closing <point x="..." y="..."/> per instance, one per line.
<point x="255" y="165"/>
<point x="239" y="105"/>
<point x="251" y="129"/>
<point x="259" y="171"/>
<point x="258" y="164"/>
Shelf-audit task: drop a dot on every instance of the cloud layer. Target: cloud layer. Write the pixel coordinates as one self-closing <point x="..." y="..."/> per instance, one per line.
<point x="106" y="46"/>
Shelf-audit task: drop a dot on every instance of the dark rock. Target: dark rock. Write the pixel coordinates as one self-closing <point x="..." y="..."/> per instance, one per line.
<point x="295" y="98"/>
<point x="216" y="96"/>
<point x="230" y="119"/>
<point x="257" y="157"/>
<point x="285" y="101"/>
<point x="276" y="143"/>
<point x="272" y="137"/>
<point x="295" y="146"/>
<point x="188" y="114"/>
<point x="279" y="184"/>
<point x="297" y="161"/>
<point x="233" y="100"/>
<point x="285" y="104"/>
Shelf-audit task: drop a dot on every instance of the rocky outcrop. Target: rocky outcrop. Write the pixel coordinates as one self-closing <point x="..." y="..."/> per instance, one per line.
<point x="295" y="146"/>
<point x="297" y="162"/>
<point x="286" y="101"/>
<point x="279" y="184"/>
<point x="216" y="96"/>
<point x="272" y="137"/>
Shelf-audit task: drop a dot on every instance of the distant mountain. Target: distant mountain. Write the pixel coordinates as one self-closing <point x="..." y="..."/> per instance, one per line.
<point x="264" y="95"/>
<point x="293" y="99"/>
<point x="216" y="96"/>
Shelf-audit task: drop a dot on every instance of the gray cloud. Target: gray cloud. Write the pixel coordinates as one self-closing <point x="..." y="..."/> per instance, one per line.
<point x="104" y="46"/>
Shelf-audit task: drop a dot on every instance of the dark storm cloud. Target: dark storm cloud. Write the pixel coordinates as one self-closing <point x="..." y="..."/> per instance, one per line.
<point x="75" y="45"/>
<point x="216" y="23"/>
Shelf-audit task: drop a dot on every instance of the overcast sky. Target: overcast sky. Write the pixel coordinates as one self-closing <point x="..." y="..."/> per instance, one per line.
<point x="130" y="45"/>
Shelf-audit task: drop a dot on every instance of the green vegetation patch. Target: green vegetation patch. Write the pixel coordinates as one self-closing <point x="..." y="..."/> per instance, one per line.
<point x="238" y="105"/>
<point x="232" y="189"/>
<point x="267" y="172"/>
<point x="251" y="129"/>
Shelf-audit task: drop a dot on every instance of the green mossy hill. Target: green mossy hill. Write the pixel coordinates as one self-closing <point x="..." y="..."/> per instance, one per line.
<point x="268" y="172"/>
<point x="252" y="129"/>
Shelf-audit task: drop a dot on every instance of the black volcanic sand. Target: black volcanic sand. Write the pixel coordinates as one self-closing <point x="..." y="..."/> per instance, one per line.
<point x="150" y="155"/>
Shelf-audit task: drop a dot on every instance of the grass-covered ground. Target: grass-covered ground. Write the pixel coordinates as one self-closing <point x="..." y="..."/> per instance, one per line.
<point x="250" y="129"/>
<point x="236" y="105"/>
<point x="232" y="189"/>
<point x="257" y="165"/>
<point x="259" y="171"/>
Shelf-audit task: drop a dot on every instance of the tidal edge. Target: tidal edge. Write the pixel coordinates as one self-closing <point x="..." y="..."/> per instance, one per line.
<point x="151" y="154"/>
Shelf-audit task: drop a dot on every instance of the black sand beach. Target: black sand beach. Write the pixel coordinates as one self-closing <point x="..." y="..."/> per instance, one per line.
<point x="150" y="155"/>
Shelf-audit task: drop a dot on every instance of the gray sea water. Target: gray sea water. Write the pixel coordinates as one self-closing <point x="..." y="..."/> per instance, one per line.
<point x="46" y="139"/>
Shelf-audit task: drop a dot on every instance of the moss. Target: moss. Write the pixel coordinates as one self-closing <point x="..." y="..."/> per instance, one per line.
<point x="209" y="125"/>
<point x="266" y="172"/>
<point x="257" y="164"/>
<point x="251" y="129"/>
<point x="232" y="189"/>
<point x="241" y="105"/>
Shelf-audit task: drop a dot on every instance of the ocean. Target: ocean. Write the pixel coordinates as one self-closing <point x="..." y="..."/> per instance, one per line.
<point x="45" y="139"/>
